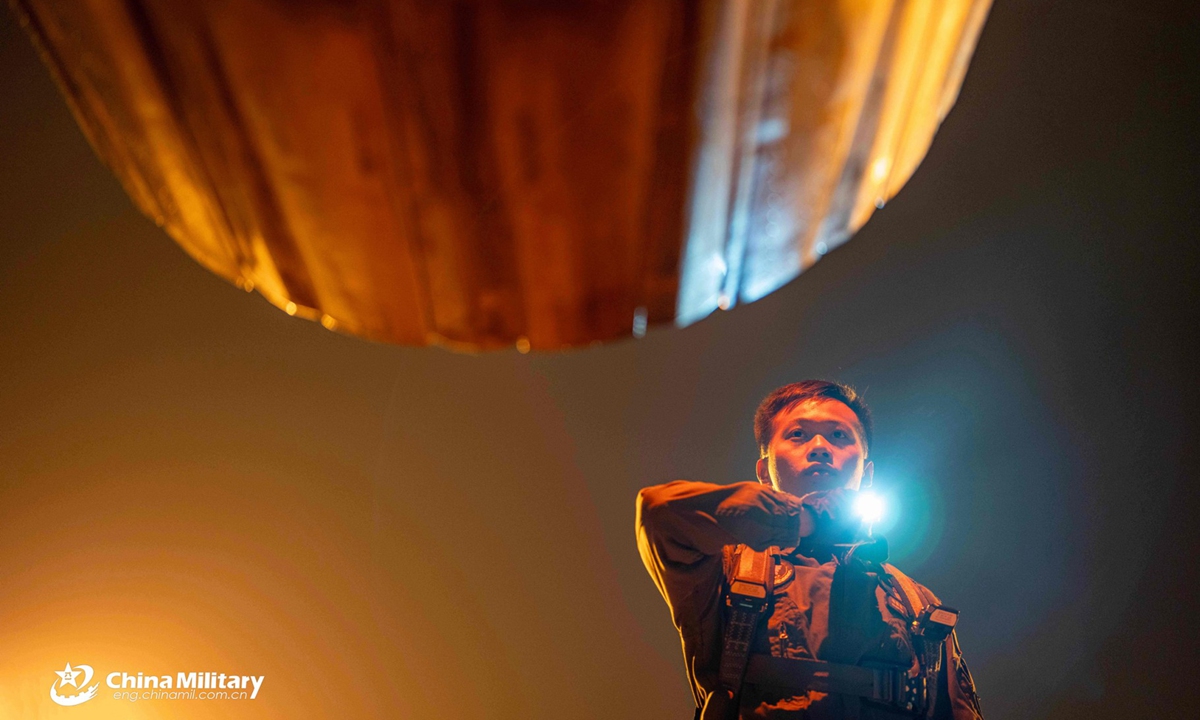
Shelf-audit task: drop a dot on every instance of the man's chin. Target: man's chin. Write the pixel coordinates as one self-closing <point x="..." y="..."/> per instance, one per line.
<point x="803" y="486"/>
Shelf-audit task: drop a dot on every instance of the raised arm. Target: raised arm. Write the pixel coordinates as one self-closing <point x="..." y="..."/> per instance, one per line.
<point x="682" y="527"/>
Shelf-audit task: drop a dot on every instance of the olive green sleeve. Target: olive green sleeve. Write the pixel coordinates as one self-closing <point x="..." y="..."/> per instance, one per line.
<point x="683" y="526"/>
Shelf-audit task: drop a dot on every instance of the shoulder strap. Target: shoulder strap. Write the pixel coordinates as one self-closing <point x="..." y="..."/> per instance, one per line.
<point x="749" y="596"/>
<point x="912" y="596"/>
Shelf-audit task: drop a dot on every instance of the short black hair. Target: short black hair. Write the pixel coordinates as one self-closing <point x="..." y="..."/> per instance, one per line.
<point x="782" y="398"/>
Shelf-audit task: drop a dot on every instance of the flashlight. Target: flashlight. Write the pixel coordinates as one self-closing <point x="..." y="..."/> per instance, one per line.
<point x="869" y="508"/>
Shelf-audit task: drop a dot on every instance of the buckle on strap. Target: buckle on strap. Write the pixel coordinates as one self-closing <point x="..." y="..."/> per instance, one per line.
<point x="753" y="581"/>
<point x="886" y="685"/>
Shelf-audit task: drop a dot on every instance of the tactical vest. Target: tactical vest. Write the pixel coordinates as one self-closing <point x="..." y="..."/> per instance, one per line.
<point x="750" y="596"/>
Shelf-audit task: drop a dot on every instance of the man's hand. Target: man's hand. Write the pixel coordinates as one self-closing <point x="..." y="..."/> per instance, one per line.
<point x="828" y="516"/>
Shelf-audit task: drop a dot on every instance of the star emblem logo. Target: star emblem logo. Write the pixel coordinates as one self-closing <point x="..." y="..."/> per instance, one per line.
<point x="68" y="676"/>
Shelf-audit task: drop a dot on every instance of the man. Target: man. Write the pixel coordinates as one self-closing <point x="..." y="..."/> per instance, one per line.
<point x="785" y="608"/>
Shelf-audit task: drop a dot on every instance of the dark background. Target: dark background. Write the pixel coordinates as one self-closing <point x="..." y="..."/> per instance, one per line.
<point x="190" y="478"/>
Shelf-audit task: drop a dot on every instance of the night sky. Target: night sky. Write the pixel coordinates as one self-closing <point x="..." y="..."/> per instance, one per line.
<point x="190" y="479"/>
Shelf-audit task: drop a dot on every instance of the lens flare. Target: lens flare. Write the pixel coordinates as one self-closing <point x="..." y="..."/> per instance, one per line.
<point x="869" y="507"/>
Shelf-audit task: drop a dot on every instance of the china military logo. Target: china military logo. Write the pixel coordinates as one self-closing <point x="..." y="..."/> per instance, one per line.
<point x="71" y="677"/>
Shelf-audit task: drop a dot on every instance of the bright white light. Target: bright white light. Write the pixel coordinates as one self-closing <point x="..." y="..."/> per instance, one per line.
<point x="869" y="507"/>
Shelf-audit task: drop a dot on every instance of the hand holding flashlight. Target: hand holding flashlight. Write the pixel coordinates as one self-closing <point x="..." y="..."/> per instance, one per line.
<point x="837" y="515"/>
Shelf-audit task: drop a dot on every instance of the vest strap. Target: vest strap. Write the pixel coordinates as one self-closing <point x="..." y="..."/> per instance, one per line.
<point x="908" y="588"/>
<point x="748" y="598"/>
<point x="881" y="684"/>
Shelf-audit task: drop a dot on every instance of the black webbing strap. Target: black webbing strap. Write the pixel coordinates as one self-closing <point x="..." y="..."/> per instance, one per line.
<point x="748" y="597"/>
<point x="880" y="684"/>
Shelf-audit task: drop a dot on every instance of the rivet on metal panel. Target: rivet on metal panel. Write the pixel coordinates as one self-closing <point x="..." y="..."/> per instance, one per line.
<point x="639" y="322"/>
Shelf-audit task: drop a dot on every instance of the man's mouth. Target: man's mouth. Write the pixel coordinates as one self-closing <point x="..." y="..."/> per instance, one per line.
<point x="818" y="470"/>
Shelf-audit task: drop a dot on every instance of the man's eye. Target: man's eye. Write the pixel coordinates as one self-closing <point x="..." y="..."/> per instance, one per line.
<point x="839" y="434"/>
<point x="796" y="434"/>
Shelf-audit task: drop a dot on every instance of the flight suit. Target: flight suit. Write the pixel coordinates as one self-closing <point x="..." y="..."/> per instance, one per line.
<point x="689" y="534"/>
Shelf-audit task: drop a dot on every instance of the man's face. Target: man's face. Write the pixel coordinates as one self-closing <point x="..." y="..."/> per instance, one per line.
<point x="815" y="445"/>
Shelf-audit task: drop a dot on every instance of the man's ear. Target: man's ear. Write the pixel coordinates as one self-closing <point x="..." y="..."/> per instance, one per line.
<point x="868" y="474"/>
<point x="762" y="470"/>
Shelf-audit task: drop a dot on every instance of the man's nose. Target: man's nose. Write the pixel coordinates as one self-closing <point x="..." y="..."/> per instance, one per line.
<point x="818" y="451"/>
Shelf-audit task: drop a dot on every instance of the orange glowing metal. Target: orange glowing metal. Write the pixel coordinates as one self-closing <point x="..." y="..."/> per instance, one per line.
<point x="482" y="174"/>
